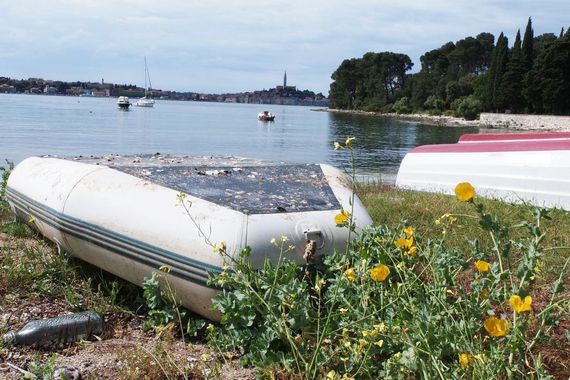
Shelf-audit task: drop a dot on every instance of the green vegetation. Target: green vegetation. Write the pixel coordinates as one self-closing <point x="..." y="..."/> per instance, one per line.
<point x="438" y="288"/>
<point x="398" y="305"/>
<point x="462" y="78"/>
<point x="439" y="215"/>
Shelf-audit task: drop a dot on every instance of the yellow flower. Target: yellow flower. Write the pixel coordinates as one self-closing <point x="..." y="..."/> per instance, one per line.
<point x="401" y="242"/>
<point x="181" y="197"/>
<point x="210" y="327"/>
<point x="409" y="231"/>
<point x="519" y="305"/>
<point x="380" y="328"/>
<point x="337" y="146"/>
<point x="497" y="327"/>
<point x="342" y="217"/>
<point x="32" y="220"/>
<point x="465" y="360"/>
<point x="220" y="248"/>
<point x="404" y="243"/>
<point x="319" y="284"/>
<point x="482" y="266"/>
<point x="380" y="272"/>
<point x="348" y="142"/>
<point x="350" y="274"/>
<point x="464" y="191"/>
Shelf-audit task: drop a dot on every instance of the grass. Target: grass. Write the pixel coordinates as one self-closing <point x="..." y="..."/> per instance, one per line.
<point x="388" y="206"/>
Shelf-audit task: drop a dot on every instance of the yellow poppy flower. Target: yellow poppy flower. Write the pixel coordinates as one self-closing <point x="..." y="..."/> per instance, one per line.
<point x="497" y="327"/>
<point x="464" y="191"/>
<point x="482" y="266"/>
<point x="350" y="274"/>
<point x="465" y="360"/>
<point x="400" y="243"/>
<point x="411" y="252"/>
<point x="404" y="243"/>
<point x="408" y="231"/>
<point x="342" y="217"/>
<point x="379" y="272"/>
<point x="348" y="142"/>
<point x="519" y="305"/>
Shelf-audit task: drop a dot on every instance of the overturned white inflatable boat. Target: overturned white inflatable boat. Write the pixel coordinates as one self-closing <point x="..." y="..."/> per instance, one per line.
<point x="122" y="214"/>
<point x="518" y="167"/>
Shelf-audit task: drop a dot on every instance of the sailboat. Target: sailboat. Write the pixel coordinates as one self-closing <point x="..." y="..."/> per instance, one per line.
<point x="146" y="100"/>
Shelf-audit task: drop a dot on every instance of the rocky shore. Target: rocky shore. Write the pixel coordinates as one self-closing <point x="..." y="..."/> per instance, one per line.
<point x="502" y="122"/>
<point x="448" y="121"/>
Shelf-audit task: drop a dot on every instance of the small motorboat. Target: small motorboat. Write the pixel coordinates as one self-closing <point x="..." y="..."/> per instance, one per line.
<point x="132" y="215"/>
<point x="516" y="167"/>
<point x="123" y="102"/>
<point x="266" y="116"/>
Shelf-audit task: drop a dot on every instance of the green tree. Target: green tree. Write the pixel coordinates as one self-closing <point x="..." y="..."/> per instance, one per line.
<point x="468" y="107"/>
<point x="343" y="88"/>
<point x="369" y="82"/>
<point x="488" y="90"/>
<point x="402" y="105"/>
<point x="512" y="81"/>
<point x="548" y="82"/>
<point x="527" y="45"/>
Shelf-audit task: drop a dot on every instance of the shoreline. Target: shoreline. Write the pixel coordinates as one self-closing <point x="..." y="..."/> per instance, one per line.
<point x="502" y="123"/>
<point x="441" y="120"/>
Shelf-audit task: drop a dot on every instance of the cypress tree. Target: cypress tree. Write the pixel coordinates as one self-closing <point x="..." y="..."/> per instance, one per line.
<point x="561" y="33"/>
<point x="527" y="45"/>
<point x="498" y="67"/>
<point x="510" y="93"/>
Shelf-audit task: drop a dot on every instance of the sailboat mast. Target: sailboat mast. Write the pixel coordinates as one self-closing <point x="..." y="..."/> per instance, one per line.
<point x="147" y="74"/>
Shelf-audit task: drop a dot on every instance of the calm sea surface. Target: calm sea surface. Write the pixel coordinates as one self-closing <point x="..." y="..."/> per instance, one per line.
<point x="68" y="126"/>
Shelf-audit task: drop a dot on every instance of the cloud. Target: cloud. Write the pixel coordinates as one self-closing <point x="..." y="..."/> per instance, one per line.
<point x="219" y="45"/>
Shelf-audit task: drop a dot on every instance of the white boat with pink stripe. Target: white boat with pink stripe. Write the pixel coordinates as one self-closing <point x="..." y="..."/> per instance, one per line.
<point x="524" y="167"/>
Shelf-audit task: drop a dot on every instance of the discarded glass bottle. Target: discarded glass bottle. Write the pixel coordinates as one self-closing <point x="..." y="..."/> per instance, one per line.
<point x="64" y="329"/>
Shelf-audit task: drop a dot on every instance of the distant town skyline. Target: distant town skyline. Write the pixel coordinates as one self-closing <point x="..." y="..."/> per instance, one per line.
<point x="233" y="46"/>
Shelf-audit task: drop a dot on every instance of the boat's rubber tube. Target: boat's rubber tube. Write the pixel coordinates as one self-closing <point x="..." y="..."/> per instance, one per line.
<point x="130" y="226"/>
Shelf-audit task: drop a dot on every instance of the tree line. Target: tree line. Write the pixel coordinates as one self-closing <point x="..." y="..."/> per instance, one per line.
<point x="464" y="78"/>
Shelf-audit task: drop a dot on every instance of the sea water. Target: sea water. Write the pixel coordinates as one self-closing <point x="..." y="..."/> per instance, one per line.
<point x="69" y="126"/>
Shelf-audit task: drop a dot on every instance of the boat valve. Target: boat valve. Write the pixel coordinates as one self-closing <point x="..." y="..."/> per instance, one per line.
<point x="316" y="236"/>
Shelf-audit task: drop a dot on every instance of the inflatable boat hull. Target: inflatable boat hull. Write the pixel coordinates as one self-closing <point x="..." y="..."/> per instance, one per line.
<point x="130" y="226"/>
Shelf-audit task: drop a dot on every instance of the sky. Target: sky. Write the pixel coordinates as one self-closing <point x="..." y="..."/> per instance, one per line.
<point x="223" y="46"/>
